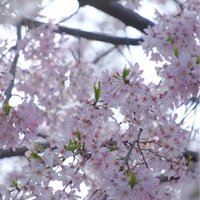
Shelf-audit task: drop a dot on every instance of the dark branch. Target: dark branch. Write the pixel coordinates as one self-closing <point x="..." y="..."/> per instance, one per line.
<point x="101" y="37"/>
<point x="163" y="178"/>
<point x="20" y="151"/>
<point x="76" y="32"/>
<point x="88" y="35"/>
<point x="96" y="60"/>
<point x="125" y="15"/>
<point x="13" y="67"/>
<point x="104" y="196"/>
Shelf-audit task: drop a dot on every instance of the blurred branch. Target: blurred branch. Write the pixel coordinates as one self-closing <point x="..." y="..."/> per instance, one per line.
<point x="191" y="106"/>
<point x="115" y="9"/>
<point x="100" y="37"/>
<point x="163" y="178"/>
<point x="89" y="35"/>
<point x="96" y="60"/>
<point x="20" y="151"/>
<point x="104" y="196"/>
<point x="77" y="32"/>
<point x="180" y="4"/>
<point x="13" y="66"/>
<point x="66" y="18"/>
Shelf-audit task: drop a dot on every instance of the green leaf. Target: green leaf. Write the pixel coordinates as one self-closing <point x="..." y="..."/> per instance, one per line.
<point x="113" y="147"/>
<point x="7" y="108"/>
<point x="70" y="142"/>
<point x="176" y="52"/>
<point x="198" y="60"/>
<point x="78" y="134"/>
<point x="14" y="184"/>
<point x="133" y="180"/>
<point x="35" y="155"/>
<point x="39" y="147"/>
<point x="170" y="40"/>
<point x="122" y="158"/>
<point x="189" y="158"/>
<point x="125" y="74"/>
<point x="72" y="146"/>
<point x="97" y="91"/>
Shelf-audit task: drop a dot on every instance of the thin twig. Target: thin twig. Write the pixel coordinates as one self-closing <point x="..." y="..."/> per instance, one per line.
<point x="66" y="18"/>
<point x="142" y="154"/>
<point x="132" y="147"/>
<point x="96" y="60"/>
<point x="127" y="157"/>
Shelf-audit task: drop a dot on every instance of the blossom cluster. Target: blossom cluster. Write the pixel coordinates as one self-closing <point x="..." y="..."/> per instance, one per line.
<point x="171" y="34"/>
<point x="19" y="126"/>
<point x="118" y="162"/>
<point x="176" y="40"/>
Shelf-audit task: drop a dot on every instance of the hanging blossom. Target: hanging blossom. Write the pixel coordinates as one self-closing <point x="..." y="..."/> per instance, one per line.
<point x="53" y="81"/>
<point x="177" y="42"/>
<point x="192" y="5"/>
<point x="81" y="78"/>
<point x="181" y="77"/>
<point x="5" y="78"/>
<point x="171" y="33"/>
<point x="56" y="77"/>
<point x="115" y="87"/>
<point x="38" y="49"/>
<point x="19" y="125"/>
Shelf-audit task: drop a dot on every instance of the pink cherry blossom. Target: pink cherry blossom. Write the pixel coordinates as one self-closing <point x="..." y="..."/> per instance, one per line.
<point x="119" y="136"/>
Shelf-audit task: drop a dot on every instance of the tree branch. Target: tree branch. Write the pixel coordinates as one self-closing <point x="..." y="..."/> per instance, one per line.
<point x="125" y="15"/>
<point x="104" y="196"/>
<point x="88" y="35"/>
<point x="75" y="32"/>
<point x="101" y="37"/>
<point x="13" y="67"/>
<point x="132" y="147"/>
<point x="20" y="151"/>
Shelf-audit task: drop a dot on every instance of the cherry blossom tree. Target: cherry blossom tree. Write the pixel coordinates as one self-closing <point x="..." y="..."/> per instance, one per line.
<point x="76" y="110"/>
